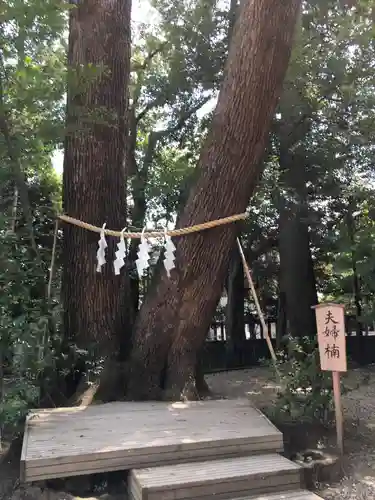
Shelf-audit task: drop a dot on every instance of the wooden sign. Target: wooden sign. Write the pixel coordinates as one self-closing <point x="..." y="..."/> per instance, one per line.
<point x="330" y="323"/>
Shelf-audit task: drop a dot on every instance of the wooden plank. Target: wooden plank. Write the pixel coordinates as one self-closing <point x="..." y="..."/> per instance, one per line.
<point x="122" y="462"/>
<point x="205" y="415"/>
<point x="148" y="454"/>
<point x="224" y="478"/>
<point x="145" y="411"/>
<point x="262" y="494"/>
<point x="215" y="470"/>
<point x="117" y="441"/>
<point x="226" y="424"/>
<point x="287" y="495"/>
<point x="96" y="412"/>
<point x="45" y="432"/>
<point x="188" y="422"/>
<point x="24" y="451"/>
<point x="145" y="406"/>
<point x="73" y="442"/>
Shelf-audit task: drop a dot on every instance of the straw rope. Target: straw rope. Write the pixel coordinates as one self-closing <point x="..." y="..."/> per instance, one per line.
<point x="155" y="234"/>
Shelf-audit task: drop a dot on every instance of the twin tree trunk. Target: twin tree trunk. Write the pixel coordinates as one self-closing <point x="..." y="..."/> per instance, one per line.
<point x="175" y="317"/>
<point x="94" y="173"/>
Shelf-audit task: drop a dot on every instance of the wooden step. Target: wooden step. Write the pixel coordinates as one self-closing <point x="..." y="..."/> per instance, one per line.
<point x="286" y="495"/>
<point x="65" y="442"/>
<point x="222" y="479"/>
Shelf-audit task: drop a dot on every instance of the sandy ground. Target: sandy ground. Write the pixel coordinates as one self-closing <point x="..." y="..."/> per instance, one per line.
<point x="358" y="482"/>
<point x="260" y="387"/>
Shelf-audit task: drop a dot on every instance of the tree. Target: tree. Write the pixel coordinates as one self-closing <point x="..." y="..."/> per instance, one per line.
<point x="31" y="117"/>
<point x="94" y="173"/>
<point x="174" y="319"/>
<point x="315" y="142"/>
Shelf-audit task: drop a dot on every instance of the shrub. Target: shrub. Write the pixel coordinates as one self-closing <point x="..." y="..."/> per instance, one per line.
<point x="306" y="393"/>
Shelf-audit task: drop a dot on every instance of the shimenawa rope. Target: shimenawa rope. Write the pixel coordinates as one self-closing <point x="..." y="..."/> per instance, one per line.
<point x="156" y="234"/>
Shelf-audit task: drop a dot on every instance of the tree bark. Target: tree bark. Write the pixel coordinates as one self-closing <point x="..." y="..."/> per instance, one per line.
<point x="281" y="325"/>
<point x="94" y="170"/>
<point x="235" y="311"/>
<point x="297" y="278"/>
<point x="175" y="317"/>
<point x="350" y="223"/>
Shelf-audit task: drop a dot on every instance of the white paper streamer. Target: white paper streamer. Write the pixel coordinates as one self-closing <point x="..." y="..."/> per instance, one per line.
<point x="120" y="254"/>
<point x="143" y="255"/>
<point x="100" y="254"/>
<point x="169" y="257"/>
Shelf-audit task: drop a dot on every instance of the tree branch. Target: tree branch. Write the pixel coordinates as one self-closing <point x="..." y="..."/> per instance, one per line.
<point x="155" y="137"/>
<point x="158" y="101"/>
<point x="149" y="58"/>
<point x="183" y="118"/>
<point x="140" y="181"/>
<point x="140" y="68"/>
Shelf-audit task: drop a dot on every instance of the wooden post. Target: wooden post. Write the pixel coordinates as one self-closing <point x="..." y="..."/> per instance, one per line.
<point x="338" y="411"/>
<point x="330" y="322"/>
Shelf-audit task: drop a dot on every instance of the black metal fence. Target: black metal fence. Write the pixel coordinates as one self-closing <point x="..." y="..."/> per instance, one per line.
<point x="254" y="330"/>
<point x="218" y="354"/>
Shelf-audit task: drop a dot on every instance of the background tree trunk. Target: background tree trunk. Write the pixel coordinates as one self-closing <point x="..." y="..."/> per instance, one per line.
<point x="281" y="325"/>
<point x="235" y="310"/>
<point x="297" y="278"/>
<point x="350" y="223"/>
<point x="94" y="169"/>
<point x="175" y="317"/>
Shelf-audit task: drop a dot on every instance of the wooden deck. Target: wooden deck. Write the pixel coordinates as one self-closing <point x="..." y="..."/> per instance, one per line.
<point x="224" y="479"/>
<point x="286" y="495"/>
<point x="120" y="436"/>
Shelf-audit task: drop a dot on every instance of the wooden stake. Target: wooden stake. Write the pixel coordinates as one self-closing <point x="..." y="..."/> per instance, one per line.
<point x="53" y="258"/>
<point x="338" y="411"/>
<point x="259" y="309"/>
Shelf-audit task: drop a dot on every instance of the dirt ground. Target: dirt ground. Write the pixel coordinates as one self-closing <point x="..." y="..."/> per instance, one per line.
<point x="258" y="384"/>
<point x="358" y="470"/>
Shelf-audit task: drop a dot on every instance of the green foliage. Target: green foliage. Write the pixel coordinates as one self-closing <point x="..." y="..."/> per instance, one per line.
<point x="353" y="245"/>
<point x="172" y="169"/>
<point x="306" y="394"/>
<point x="177" y="66"/>
<point x="32" y="75"/>
<point x="25" y="327"/>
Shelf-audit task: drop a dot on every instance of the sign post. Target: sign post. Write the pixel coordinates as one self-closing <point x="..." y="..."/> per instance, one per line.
<point x="330" y="322"/>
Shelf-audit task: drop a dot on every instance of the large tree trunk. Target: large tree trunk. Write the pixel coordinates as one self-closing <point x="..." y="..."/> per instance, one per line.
<point x="297" y="278"/>
<point x="175" y="317"/>
<point x="94" y="170"/>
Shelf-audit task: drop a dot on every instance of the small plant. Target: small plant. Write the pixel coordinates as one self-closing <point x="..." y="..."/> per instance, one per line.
<point x="306" y="394"/>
